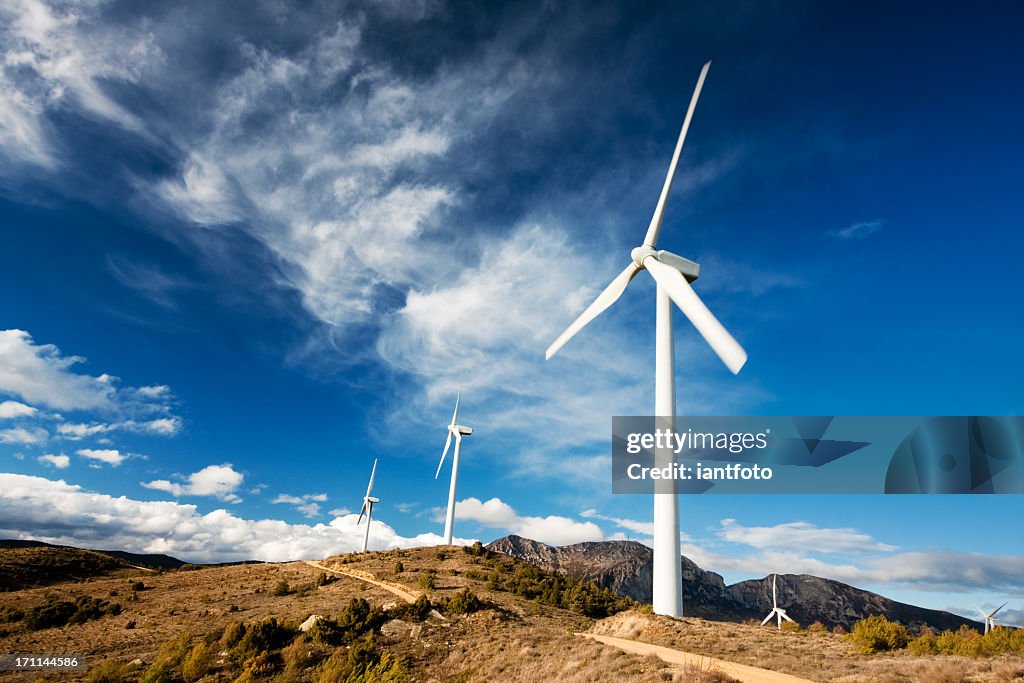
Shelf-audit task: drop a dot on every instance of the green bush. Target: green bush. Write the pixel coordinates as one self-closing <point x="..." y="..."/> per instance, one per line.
<point x="878" y="634"/>
<point x="362" y="662"/>
<point x="428" y="580"/>
<point x="399" y="567"/>
<point x="108" y="671"/>
<point x="463" y="602"/>
<point x="282" y="588"/>
<point x="924" y="644"/>
<point x="196" y="663"/>
<point x="818" y="629"/>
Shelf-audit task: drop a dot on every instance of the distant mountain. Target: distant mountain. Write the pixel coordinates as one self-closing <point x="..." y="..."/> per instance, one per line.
<point x="25" y="564"/>
<point x="625" y="567"/>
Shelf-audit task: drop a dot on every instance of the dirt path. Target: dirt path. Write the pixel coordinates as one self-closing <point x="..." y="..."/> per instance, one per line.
<point x="404" y="592"/>
<point x="742" y="672"/>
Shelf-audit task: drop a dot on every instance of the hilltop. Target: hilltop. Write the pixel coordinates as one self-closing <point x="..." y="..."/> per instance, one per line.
<point x="625" y="568"/>
<point x="424" y="614"/>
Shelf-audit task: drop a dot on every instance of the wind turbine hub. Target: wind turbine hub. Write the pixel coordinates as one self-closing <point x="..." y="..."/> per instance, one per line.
<point x="640" y="253"/>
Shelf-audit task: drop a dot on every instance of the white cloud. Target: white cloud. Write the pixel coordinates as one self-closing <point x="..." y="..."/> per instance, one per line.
<point x="552" y="529"/>
<point x="12" y="409"/>
<point x="21" y="435"/>
<point x="801" y="536"/>
<point x="77" y="431"/>
<point x="110" y="456"/>
<point x="40" y="374"/>
<point x="219" y="481"/>
<point x="339" y="512"/>
<point x="58" y="512"/>
<point x="637" y="527"/>
<point x="857" y="231"/>
<point x="307" y="504"/>
<point x="59" y="461"/>
<point x="54" y="57"/>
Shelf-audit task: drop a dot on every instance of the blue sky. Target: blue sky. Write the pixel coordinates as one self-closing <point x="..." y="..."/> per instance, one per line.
<point x="246" y="252"/>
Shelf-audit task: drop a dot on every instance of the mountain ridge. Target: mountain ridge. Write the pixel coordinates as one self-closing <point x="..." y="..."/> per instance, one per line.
<point x="625" y="567"/>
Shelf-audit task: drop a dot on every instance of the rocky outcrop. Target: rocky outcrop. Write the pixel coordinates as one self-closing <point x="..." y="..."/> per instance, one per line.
<point x="625" y="567"/>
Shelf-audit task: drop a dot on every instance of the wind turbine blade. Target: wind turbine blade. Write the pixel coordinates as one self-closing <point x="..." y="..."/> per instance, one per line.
<point x="981" y="611"/>
<point x="447" y="443"/>
<point x="605" y="299"/>
<point x="993" y="612"/>
<point x="455" y="415"/>
<point x="768" y="618"/>
<point x="373" y="473"/>
<point x="659" y="212"/>
<point x="785" y="616"/>
<point x="680" y="291"/>
<point x="361" y="511"/>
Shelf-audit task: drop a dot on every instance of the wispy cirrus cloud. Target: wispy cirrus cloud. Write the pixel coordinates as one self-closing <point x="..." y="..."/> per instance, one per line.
<point x="857" y="231"/>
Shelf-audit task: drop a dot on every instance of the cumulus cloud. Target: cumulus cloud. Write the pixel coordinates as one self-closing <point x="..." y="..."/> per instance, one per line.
<point x="58" y="512"/>
<point x="21" y="435"/>
<point x="13" y="409"/>
<point x="41" y="374"/>
<point x="555" y="530"/>
<point x="307" y="504"/>
<point x="219" y="481"/>
<point x="59" y="461"/>
<point x="109" y="456"/>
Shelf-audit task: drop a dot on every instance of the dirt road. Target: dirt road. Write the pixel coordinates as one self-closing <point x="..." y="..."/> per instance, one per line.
<point x="404" y="592"/>
<point x="742" y="672"/>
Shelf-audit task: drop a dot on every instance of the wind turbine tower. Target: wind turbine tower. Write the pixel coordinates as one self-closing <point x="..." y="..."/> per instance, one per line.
<point x="458" y="431"/>
<point x="777" y="611"/>
<point x="368" y="503"/>
<point x="673" y="275"/>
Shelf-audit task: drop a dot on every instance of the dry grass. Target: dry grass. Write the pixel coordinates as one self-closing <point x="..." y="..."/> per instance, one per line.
<point x="814" y="655"/>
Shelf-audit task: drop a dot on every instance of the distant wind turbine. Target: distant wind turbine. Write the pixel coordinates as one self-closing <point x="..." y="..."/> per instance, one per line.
<point x="990" y="617"/>
<point x="673" y="275"/>
<point x="458" y="431"/>
<point x="368" y="503"/>
<point x="777" y="611"/>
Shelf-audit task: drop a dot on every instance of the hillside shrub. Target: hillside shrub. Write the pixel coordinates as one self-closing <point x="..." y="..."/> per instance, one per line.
<point x="791" y="627"/>
<point x="428" y="580"/>
<point x="282" y="588"/>
<point x="362" y="662"/>
<point x="878" y="634"/>
<point x="463" y="602"/>
<point x="60" y="612"/>
<point x="399" y="567"/>
<point x="108" y="671"/>
<point x="196" y="663"/>
<point x="924" y="644"/>
<point x="817" y="629"/>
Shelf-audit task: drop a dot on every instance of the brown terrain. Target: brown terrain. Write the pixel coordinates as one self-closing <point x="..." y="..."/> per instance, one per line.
<point x="516" y="623"/>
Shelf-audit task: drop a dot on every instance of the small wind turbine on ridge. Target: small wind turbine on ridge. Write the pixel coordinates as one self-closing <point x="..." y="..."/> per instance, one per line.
<point x="368" y="503"/>
<point x="777" y="611"/>
<point x="458" y="431"/>
<point x="990" y="618"/>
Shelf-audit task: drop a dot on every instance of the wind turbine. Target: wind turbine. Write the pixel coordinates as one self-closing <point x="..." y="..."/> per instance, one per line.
<point x="990" y="617"/>
<point x="458" y="431"/>
<point x="368" y="503"/>
<point x="673" y="275"/>
<point x="777" y="611"/>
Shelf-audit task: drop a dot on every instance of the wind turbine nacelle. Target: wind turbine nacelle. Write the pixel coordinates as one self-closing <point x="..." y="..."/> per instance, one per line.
<point x="465" y="431"/>
<point x="370" y="499"/>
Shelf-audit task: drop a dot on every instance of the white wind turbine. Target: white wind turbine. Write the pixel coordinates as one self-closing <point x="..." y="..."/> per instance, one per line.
<point x="673" y="275"/>
<point x="990" y="617"/>
<point x="368" y="503"/>
<point x="777" y="611"/>
<point x="458" y="431"/>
